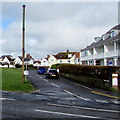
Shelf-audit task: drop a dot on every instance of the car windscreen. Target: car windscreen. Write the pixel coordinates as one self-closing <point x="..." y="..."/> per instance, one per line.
<point x="53" y="71"/>
<point x="41" y="67"/>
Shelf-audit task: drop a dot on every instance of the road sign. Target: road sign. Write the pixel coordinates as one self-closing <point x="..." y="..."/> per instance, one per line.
<point x="26" y="72"/>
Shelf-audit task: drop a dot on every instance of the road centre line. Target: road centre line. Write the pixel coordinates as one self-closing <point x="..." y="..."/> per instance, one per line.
<point x="102" y="101"/>
<point x="45" y="80"/>
<point x="41" y="77"/>
<point x="85" y="108"/>
<point x="77" y="96"/>
<point x="68" y="114"/>
<point x="82" y="86"/>
<point x="55" y="85"/>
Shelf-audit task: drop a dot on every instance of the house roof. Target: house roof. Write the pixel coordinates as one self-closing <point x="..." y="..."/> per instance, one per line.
<point x="117" y="27"/>
<point x="27" y="59"/>
<point x="77" y="54"/>
<point x="9" y="57"/>
<point x="64" y="55"/>
<point x="106" y="41"/>
<point x="6" y="56"/>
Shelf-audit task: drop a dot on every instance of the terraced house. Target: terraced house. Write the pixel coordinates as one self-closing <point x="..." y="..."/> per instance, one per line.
<point x="104" y="51"/>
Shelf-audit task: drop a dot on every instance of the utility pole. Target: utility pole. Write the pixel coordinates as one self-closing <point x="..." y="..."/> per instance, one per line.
<point x="23" y="43"/>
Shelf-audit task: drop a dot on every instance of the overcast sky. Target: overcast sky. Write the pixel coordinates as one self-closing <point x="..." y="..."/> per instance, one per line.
<point x="53" y="27"/>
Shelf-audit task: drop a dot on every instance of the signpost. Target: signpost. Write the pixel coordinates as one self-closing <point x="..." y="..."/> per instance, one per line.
<point x="23" y="43"/>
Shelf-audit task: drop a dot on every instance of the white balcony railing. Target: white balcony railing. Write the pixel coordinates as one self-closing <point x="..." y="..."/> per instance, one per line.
<point x="88" y="57"/>
<point x="99" y="55"/>
<point x="109" y="54"/>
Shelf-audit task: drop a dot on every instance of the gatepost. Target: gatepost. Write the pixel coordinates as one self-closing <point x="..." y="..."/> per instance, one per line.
<point x="115" y="81"/>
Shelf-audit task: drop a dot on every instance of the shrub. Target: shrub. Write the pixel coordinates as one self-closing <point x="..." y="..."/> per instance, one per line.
<point x="55" y="66"/>
<point x="18" y="66"/>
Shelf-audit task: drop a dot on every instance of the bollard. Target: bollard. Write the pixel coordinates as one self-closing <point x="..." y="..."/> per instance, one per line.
<point x="115" y="81"/>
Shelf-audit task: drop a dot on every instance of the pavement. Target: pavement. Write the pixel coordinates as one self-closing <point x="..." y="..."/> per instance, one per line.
<point x="110" y="94"/>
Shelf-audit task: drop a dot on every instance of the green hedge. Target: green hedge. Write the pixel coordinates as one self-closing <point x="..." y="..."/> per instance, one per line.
<point x="88" y="74"/>
<point x="100" y="72"/>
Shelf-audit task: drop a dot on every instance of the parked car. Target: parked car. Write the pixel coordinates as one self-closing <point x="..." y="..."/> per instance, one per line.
<point x="52" y="73"/>
<point x="42" y="70"/>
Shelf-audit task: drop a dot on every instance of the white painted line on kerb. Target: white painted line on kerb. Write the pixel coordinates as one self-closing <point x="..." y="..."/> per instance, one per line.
<point x="55" y="85"/>
<point x="85" y="108"/>
<point x="7" y="99"/>
<point x="68" y="114"/>
<point x="77" y="96"/>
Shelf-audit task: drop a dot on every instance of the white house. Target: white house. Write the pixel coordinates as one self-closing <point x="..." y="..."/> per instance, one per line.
<point x="64" y="57"/>
<point x="29" y="61"/>
<point x="6" y="60"/>
<point x="52" y="60"/>
<point x="18" y="60"/>
<point x="44" y="62"/>
<point x="37" y="63"/>
<point x="104" y="51"/>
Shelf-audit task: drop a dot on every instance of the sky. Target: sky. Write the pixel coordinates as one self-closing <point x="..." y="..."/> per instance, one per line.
<point x="52" y="27"/>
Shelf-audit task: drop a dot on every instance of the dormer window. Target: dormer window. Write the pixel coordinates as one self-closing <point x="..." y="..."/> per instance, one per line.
<point x="69" y="55"/>
<point x="113" y="33"/>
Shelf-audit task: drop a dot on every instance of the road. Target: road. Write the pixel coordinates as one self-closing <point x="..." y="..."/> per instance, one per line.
<point x="58" y="98"/>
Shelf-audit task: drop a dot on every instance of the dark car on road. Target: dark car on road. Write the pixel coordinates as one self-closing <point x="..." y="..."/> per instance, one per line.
<point x="52" y="73"/>
<point x="42" y="70"/>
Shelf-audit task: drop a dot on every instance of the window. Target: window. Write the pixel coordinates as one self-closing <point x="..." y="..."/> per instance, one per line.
<point x="69" y="55"/>
<point x="68" y="61"/>
<point x="113" y="33"/>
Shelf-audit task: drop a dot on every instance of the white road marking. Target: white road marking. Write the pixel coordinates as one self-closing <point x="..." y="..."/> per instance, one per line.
<point x="45" y="80"/>
<point x="85" y="108"/>
<point x="116" y="101"/>
<point x="7" y="99"/>
<point x="68" y="114"/>
<point x="82" y="86"/>
<point x="37" y="75"/>
<point x="55" y="85"/>
<point x="77" y="96"/>
<point x="42" y="77"/>
<point x="102" y="101"/>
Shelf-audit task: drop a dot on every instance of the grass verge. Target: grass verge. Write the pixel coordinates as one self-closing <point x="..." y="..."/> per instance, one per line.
<point x="12" y="80"/>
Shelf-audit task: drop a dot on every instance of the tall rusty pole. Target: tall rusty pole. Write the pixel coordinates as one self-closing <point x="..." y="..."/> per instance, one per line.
<point x="23" y="43"/>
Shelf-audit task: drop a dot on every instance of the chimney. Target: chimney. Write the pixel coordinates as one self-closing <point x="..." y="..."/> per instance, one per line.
<point x="48" y="56"/>
<point x="67" y="50"/>
<point x="28" y="56"/>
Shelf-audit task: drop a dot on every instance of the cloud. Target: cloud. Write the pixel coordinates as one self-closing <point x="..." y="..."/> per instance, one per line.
<point x="56" y="27"/>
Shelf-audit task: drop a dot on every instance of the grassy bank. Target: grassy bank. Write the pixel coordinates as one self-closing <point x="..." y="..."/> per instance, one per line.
<point x="12" y="80"/>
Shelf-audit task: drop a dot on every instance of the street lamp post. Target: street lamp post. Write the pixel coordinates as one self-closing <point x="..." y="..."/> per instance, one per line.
<point x="23" y="43"/>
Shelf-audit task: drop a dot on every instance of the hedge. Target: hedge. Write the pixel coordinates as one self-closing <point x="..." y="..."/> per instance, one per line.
<point x="92" y="75"/>
<point x="101" y="72"/>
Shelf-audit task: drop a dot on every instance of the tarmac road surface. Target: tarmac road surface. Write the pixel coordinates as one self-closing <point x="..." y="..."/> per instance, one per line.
<point x="58" y="98"/>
